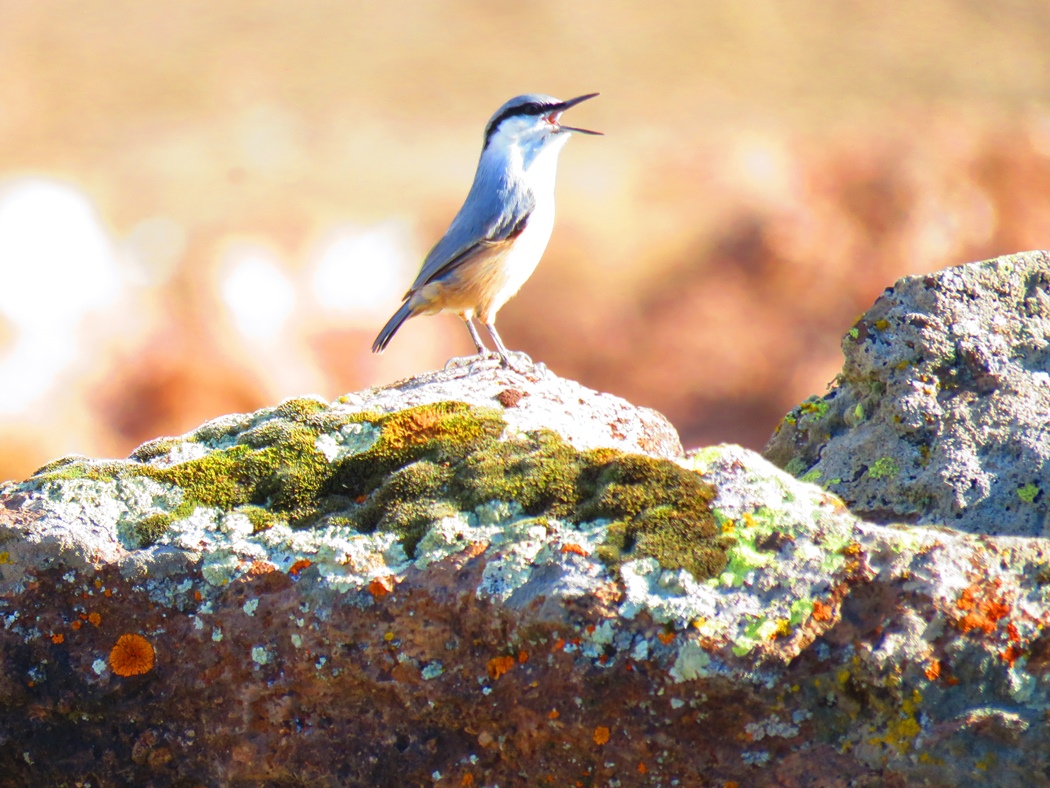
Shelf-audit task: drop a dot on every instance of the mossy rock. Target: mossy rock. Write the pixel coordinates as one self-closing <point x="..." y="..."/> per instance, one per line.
<point x="418" y="465"/>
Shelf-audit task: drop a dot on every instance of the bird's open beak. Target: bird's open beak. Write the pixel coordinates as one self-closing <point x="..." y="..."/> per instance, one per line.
<point x="572" y="103"/>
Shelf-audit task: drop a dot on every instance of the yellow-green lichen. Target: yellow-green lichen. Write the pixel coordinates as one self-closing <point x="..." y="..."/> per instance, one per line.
<point x="1028" y="493"/>
<point x="884" y="467"/>
<point x="814" y="406"/>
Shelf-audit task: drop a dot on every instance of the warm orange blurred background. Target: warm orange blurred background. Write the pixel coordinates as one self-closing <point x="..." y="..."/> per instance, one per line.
<point x="207" y="206"/>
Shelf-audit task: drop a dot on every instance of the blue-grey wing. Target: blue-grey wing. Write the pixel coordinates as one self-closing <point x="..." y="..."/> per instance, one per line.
<point x="495" y="211"/>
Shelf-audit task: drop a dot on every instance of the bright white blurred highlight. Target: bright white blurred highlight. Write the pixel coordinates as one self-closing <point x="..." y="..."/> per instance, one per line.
<point x="363" y="273"/>
<point x="56" y="261"/>
<point x="56" y="265"/>
<point x="258" y="293"/>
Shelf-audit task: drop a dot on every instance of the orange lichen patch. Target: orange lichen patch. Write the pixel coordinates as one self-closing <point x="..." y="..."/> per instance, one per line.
<point x="666" y="637"/>
<point x="553" y="714"/>
<point x="94" y="618"/>
<point x="497" y="666"/>
<point x="1010" y="654"/>
<point x="58" y="638"/>
<point x="574" y="548"/>
<point x="299" y="566"/>
<point x="642" y="768"/>
<point x="132" y="655"/>
<point x="523" y="656"/>
<point x="260" y="568"/>
<point x="981" y="612"/>
<point x="821" y="611"/>
<point x="474" y="549"/>
<point x="559" y="644"/>
<point x="108" y="592"/>
<point x="381" y="586"/>
<point x="414" y="427"/>
<point x="97" y="583"/>
<point x="601" y="735"/>
<point x="933" y="670"/>
<point x="76" y="625"/>
<point x="468" y="780"/>
<point x="1012" y="633"/>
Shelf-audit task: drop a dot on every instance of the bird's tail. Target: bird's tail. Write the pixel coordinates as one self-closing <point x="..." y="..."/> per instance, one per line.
<point x="391" y="327"/>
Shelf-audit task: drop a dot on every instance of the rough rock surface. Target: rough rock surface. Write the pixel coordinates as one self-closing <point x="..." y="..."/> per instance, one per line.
<point x="942" y="411"/>
<point x="425" y="586"/>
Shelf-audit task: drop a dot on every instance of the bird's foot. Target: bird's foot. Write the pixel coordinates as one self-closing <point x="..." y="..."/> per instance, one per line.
<point x="478" y="359"/>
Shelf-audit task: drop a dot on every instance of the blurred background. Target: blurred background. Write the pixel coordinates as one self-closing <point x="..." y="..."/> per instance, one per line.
<point x="208" y="206"/>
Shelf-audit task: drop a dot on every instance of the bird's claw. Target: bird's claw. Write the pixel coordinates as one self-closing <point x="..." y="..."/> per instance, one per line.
<point x="521" y="363"/>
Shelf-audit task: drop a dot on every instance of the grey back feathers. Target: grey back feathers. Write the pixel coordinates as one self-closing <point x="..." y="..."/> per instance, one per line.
<point x="495" y="209"/>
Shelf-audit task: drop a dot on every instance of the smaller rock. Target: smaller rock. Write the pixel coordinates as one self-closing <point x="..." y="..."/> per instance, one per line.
<point x="940" y="414"/>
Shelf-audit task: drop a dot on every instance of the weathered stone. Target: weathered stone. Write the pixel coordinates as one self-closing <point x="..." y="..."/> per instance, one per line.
<point x="433" y="594"/>
<point x="942" y="411"/>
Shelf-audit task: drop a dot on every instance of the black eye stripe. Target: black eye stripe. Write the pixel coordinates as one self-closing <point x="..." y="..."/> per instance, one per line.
<point x="531" y="108"/>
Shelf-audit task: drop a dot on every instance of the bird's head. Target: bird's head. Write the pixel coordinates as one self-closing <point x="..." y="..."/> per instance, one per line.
<point x="532" y="121"/>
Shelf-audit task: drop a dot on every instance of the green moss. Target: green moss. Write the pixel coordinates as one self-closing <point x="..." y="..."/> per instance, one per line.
<point x="148" y="530"/>
<point x="541" y="473"/>
<point x="300" y="409"/>
<point x="70" y="462"/>
<point x="260" y="518"/>
<point x="659" y="509"/>
<point x="70" y="468"/>
<point x="157" y="447"/>
<point x="220" y="430"/>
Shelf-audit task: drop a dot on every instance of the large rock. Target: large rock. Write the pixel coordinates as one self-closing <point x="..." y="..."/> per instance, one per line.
<point x="942" y="411"/>
<point x="424" y="585"/>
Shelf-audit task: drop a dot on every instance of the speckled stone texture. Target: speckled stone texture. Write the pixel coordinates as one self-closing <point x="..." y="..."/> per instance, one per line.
<point x="296" y="623"/>
<point x="942" y="411"/>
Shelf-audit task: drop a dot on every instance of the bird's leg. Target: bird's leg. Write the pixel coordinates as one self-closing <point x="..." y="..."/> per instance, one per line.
<point x="502" y="349"/>
<point x="483" y="352"/>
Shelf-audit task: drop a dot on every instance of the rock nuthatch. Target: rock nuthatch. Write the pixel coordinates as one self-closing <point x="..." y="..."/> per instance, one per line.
<point x="499" y="235"/>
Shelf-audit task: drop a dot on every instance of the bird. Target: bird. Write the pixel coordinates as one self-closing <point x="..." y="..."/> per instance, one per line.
<point x="499" y="235"/>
